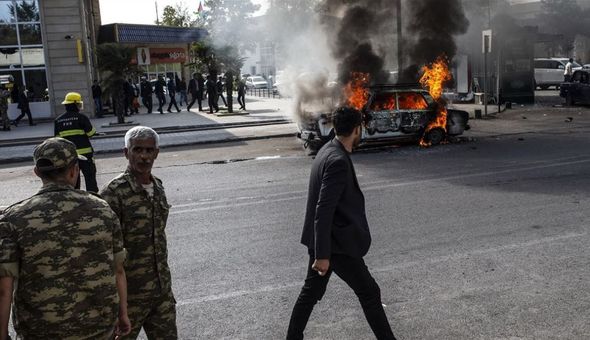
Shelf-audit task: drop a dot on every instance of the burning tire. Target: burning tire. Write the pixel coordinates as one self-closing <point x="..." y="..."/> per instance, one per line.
<point x="435" y="136"/>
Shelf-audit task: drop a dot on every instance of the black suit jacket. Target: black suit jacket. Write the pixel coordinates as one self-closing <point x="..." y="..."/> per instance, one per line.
<point x="335" y="220"/>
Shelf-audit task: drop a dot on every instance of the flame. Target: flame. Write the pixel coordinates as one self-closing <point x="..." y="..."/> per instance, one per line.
<point x="356" y="92"/>
<point x="411" y="101"/>
<point x="434" y="77"/>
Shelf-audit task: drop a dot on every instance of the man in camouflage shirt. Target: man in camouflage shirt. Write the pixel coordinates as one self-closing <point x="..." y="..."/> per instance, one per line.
<point x="63" y="251"/>
<point x="139" y="200"/>
<point x="4" y="121"/>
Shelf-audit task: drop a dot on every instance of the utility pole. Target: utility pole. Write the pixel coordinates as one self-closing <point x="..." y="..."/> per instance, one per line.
<point x="157" y="15"/>
<point x="400" y="59"/>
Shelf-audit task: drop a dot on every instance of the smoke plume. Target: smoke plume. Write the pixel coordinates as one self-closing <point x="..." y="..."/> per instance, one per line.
<point x="356" y="45"/>
<point x="430" y="32"/>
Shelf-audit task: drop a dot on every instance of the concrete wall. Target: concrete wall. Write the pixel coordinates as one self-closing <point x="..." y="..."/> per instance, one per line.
<point x="61" y="18"/>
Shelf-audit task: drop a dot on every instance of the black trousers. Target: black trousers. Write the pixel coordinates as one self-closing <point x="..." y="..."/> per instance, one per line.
<point x="88" y="169"/>
<point x="196" y="97"/>
<point x="173" y="102"/>
<point x="222" y="98"/>
<point x="242" y="100"/>
<point x="23" y="112"/>
<point x="161" y="101"/>
<point x="148" y="103"/>
<point x="212" y="101"/>
<point x="355" y="273"/>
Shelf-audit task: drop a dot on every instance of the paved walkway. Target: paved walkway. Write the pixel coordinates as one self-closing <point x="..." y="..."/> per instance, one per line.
<point x="259" y="110"/>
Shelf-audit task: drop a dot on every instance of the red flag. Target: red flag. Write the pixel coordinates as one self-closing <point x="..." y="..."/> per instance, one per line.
<point x="200" y="7"/>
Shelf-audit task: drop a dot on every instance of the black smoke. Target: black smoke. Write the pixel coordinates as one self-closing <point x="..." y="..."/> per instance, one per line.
<point x="357" y="30"/>
<point x="430" y="31"/>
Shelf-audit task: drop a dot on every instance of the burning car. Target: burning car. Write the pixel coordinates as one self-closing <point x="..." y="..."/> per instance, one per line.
<point x="391" y="113"/>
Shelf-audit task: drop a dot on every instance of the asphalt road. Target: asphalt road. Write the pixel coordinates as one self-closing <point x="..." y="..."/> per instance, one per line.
<point x="483" y="239"/>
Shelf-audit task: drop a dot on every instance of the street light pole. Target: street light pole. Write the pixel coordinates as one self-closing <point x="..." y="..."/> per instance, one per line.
<point x="400" y="58"/>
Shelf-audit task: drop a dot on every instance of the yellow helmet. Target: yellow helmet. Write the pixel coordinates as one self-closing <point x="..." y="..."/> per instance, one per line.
<point x="73" y="98"/>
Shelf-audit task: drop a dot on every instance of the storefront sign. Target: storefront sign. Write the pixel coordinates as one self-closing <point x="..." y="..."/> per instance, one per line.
<point x="143" y="56"/>
<point x="148" y="56"/>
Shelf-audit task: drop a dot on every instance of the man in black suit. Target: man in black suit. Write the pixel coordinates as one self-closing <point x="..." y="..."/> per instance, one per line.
<point x="336" y="231"/>
<point x="196" y="90"/>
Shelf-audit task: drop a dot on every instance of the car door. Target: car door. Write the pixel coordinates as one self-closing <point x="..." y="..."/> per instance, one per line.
<point x="381" y="117"/>
<point x="415" y="112"/>
<point x="540" y="72"/>
<point x="557" y="71"/>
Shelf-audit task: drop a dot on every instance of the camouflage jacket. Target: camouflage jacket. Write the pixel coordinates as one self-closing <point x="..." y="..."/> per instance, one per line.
<point x="143" y="222"/>
<point x="4" y="94"/>
<point x="61" y="246"/>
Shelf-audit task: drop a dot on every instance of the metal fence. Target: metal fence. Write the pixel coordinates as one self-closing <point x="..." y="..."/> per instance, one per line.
<point x="267" y="93"/>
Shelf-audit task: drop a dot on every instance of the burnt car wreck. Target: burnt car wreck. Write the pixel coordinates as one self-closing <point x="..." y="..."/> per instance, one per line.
<point x="392" y="113"/>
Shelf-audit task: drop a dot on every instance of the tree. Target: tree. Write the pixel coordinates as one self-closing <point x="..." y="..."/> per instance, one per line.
<point x="207" y="58"/>
<point x="566" y="18"/>
<point x="229" y="22"/>
<point x="177" y="16"/>
<point x="114" y="63"/>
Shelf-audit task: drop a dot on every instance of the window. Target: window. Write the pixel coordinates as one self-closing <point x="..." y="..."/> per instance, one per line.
<point x="411" y="101"/>
<point x="21" y="45"/>
<point x="384" y="101"/>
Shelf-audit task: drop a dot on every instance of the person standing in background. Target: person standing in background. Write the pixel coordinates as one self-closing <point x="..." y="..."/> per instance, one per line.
<point x="172" y="94"/>
<point x="146" y="94"/>
<point x="181" y="88"/>
<point x="23" y="105"/>
<point x="97" y="96"/>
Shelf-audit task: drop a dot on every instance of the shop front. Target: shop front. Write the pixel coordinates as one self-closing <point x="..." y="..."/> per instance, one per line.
<point x="160" y="50"/>
<point x="22" y="54"/>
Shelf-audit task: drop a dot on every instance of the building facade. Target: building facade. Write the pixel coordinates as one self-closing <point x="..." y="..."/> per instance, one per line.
<point x="47" y="46"/>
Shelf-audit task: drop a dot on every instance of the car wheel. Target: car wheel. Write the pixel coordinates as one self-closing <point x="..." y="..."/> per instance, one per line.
<point x="569" y="100"/>
<point x="435" y="136"/>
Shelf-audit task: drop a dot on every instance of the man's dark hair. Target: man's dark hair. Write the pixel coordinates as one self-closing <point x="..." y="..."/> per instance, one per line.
<point x="73" y="107"/>
<point x="54" y="175"/>
<point x="346" y="119"/>
<point x="571" y="60"/>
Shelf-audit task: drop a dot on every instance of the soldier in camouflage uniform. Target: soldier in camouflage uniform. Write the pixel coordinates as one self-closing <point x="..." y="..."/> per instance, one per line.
<point x="65" y="249"/>
<point x="139" y="200"/>
<point x="4" y="121"/>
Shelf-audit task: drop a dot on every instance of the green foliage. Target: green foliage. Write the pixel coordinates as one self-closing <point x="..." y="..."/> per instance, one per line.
<point x="177" y="16"/>
<point x="206" y="58"/>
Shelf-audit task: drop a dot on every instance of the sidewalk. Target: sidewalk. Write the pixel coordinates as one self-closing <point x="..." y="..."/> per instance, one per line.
<point x="266" y="118"/>
<point x="260" y="111"/>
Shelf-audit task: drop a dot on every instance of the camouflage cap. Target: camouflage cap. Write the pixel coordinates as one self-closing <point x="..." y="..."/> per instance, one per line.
<point x="55" y="153"/>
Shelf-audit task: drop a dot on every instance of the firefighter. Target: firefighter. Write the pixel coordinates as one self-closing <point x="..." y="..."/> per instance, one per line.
<point x="77" y="128"/>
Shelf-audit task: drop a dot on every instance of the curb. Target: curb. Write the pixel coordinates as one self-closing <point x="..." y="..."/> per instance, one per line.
<point x="161" y="130"/>
<point x="172" y="145"/>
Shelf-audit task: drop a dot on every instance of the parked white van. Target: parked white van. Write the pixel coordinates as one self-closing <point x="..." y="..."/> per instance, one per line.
<point x="549" y="71"/>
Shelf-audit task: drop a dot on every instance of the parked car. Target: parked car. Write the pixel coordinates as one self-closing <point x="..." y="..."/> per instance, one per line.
<point x="392" y="113"/>
<point x="578" y="90"/>
<point x="256" y="82"/>
<point x="549" y="71"/>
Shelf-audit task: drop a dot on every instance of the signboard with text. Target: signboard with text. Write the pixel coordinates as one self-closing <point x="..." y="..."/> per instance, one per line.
<point x="148" y="56"/>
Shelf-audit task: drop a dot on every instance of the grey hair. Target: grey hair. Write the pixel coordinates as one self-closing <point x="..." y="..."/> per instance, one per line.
<point x="141" y="132"/>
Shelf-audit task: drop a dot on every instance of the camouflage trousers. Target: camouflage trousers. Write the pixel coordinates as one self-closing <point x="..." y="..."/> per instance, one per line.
<point x="157" y="317"/>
